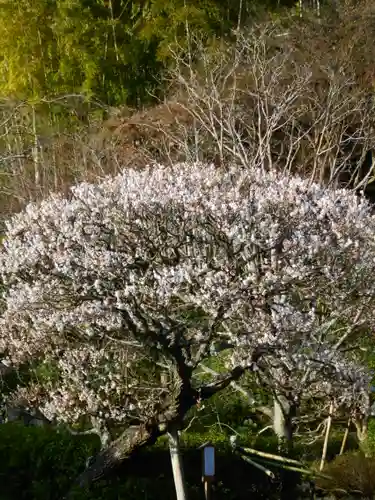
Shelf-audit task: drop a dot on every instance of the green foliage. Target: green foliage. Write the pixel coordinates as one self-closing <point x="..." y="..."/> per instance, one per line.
<point x="371" y="436"/>
<point x="40" y="464"/>
<point x="112" y="50"/>
<point x="46" y="371"/>
<point x="37" y="463"/>
<point x="100" y="52"/>
<point x="28" y="58"/>
<point x="53" y="47"/>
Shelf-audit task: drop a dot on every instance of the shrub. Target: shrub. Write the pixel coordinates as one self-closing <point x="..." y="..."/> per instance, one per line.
<point x="351" y="473"/>
<point x="40" y="464"/>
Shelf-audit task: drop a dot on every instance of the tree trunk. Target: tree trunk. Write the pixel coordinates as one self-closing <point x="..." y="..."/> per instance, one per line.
<point x="283" y="412"/>
<point x="282" y="423"/>
<point x="130" y="441"/>
<point x="177" y="464"/>
<point x="362" y="434"/>
<point x="136" y="437"/>
<point x="35" y="152"/>
<point x="360" y="420"/>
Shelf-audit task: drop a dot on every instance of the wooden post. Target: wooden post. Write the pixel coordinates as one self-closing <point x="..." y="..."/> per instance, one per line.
<point x="325" y="445"/>
<point x="345" y="438"/>
<point x="177" y="466"/>
<point x="207" y="488"/>
<point x="208" y="473"/>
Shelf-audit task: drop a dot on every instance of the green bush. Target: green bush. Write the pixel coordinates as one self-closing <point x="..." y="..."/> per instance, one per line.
<point x="371" y="437"/>
<point x="41" y="464"/>
<point x="38" y="463"/>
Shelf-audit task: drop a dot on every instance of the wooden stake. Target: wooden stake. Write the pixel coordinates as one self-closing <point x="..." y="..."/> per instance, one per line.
<point x="345" y="438"/>
<point x="207" y="488"/>
<point x="177" y="466"/>
<point x="325" y="445"/>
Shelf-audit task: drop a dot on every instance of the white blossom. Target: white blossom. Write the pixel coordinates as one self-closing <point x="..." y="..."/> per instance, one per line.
<point x="166" y="258"/>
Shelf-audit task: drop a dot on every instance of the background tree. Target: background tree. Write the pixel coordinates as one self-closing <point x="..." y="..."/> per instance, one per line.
<point x="262" y="101"/>
<point x="115" y="51"/>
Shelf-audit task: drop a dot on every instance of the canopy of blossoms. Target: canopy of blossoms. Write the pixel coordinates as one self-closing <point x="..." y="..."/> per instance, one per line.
<point x="152" y="271"/>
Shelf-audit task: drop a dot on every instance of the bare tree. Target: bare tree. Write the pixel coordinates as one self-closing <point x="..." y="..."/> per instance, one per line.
<point x="258" y="102"/>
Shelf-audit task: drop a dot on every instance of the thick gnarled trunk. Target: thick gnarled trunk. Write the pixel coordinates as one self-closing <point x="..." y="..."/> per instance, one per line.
<point x="283" y="413"/>
<point x="122" y="448"/>
<point x="361" y="425"/>
<point x="361" y="419"/>
<point x="137" y="437"/>
<point x="282" y="423"/>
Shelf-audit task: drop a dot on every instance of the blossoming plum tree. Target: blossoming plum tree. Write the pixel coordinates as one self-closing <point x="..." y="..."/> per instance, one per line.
<point x="123" y="290"/>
